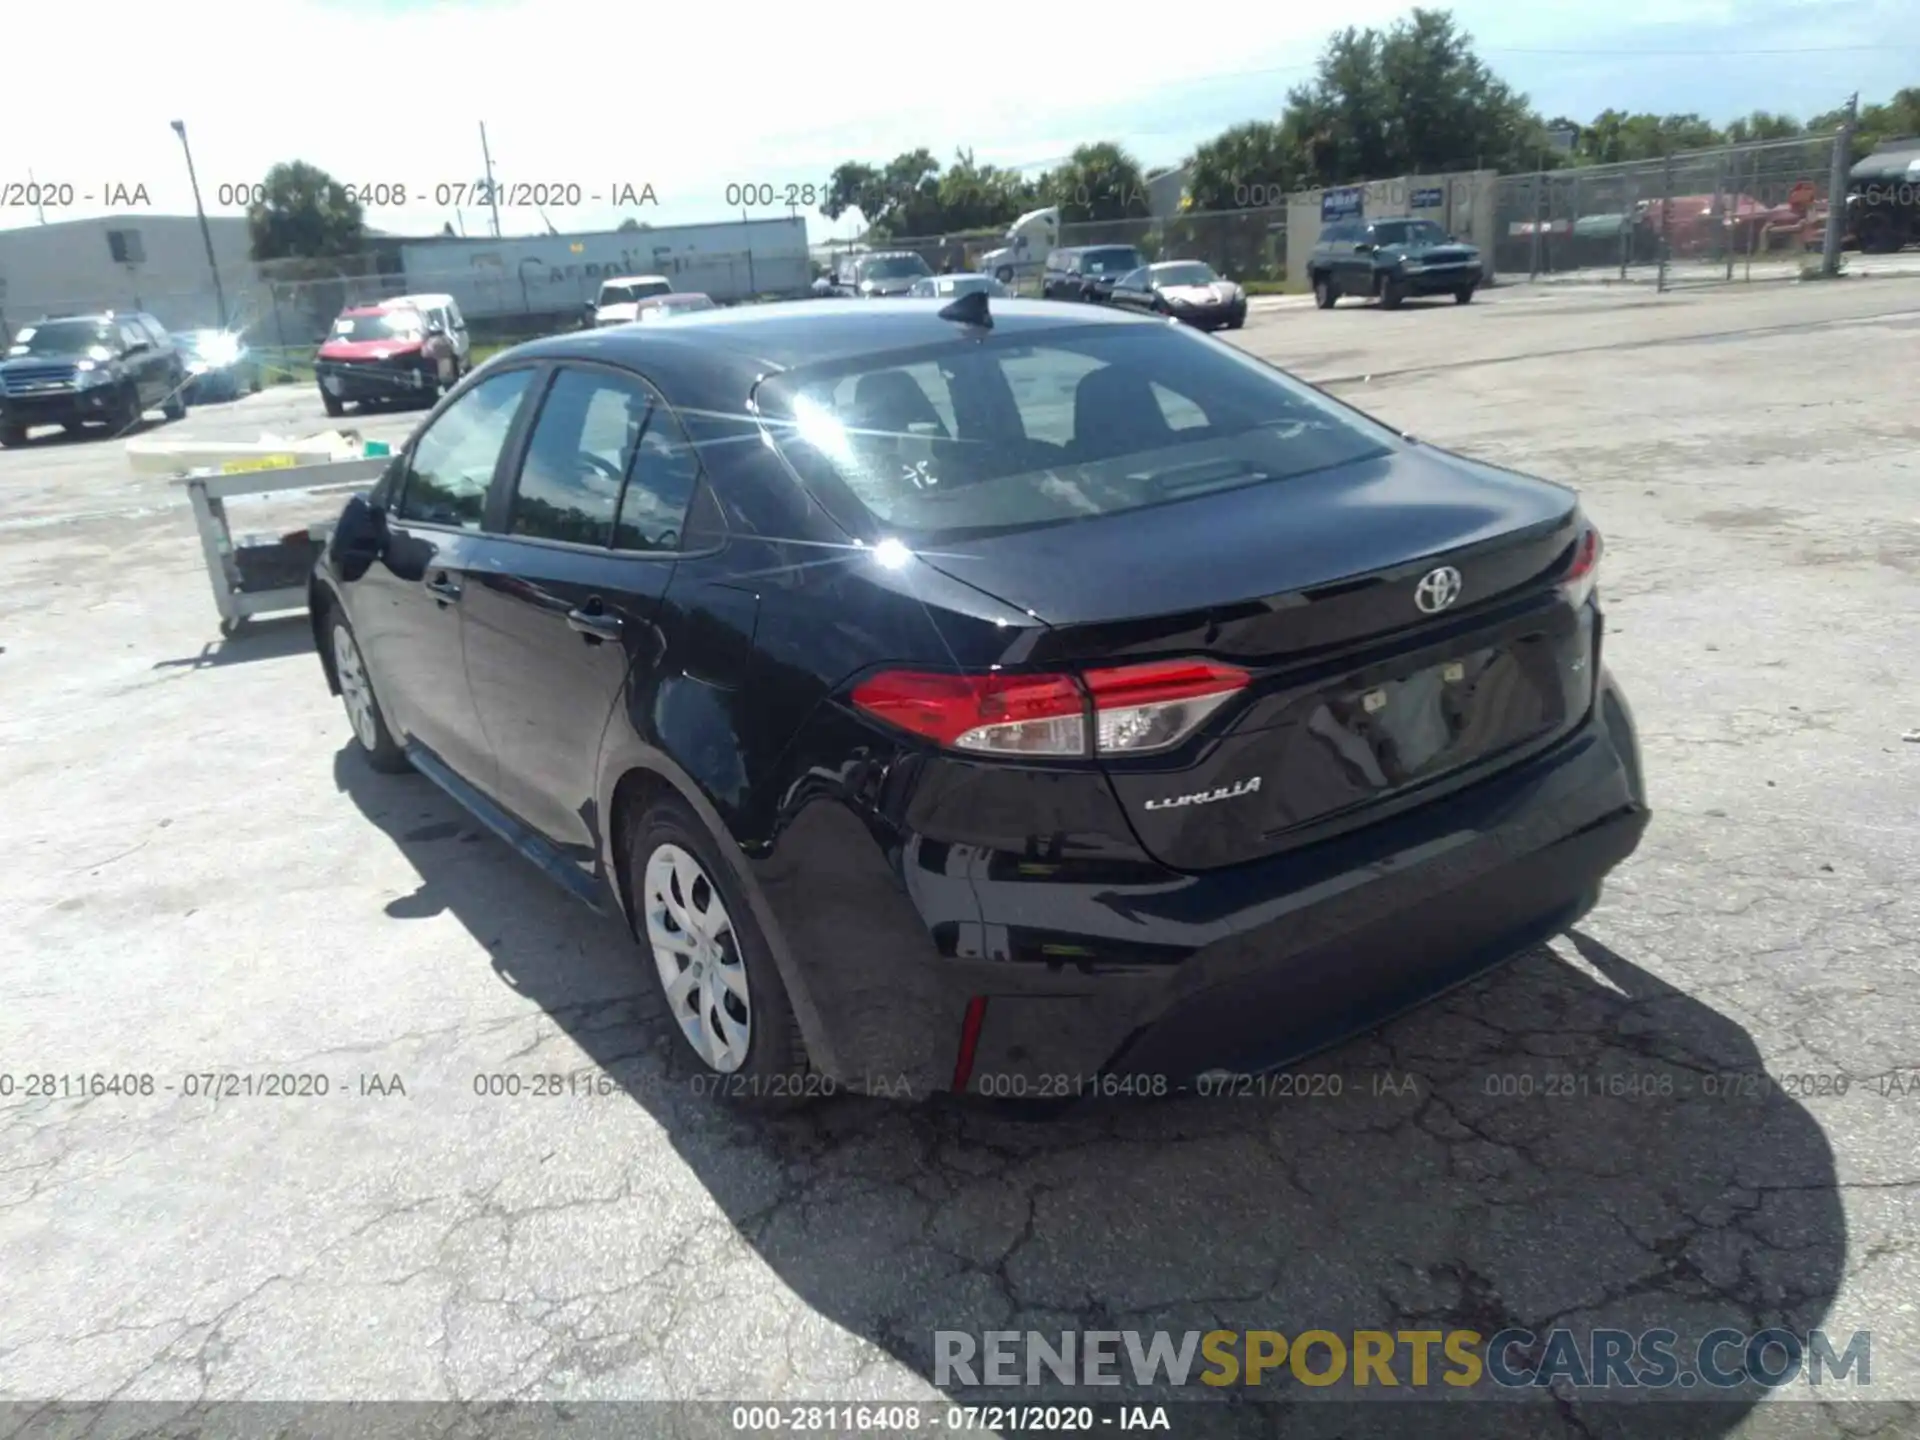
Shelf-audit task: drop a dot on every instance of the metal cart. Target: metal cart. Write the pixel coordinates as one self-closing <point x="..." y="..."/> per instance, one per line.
<point x="251" y="577"/>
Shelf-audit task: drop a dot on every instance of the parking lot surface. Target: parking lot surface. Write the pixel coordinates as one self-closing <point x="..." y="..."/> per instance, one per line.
<point x="1701" y="1110"/>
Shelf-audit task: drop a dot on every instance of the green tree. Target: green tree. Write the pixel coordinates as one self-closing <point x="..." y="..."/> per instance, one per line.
<point x="1097" y="182"/>
<point x="901" y="199"/>
<point x="1245" y="166"/>
<point x="1763" y="125"/>
<point x="306" y="213"/>
<point x="1411" y="99"/>
<point x="973" y="196"/>
<point x="1879" y="122"/>
<point x="1615" y="136"/>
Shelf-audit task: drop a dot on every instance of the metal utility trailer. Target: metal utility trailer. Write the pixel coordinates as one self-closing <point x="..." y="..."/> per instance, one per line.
<point x="263" y="579"/>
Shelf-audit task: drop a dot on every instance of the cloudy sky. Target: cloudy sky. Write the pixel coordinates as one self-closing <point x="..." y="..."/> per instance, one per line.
<point x="590" y="99"/>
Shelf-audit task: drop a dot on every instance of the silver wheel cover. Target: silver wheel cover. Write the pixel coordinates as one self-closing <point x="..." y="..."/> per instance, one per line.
<point x="356" y="691"/>
<point x="698" y="957"/>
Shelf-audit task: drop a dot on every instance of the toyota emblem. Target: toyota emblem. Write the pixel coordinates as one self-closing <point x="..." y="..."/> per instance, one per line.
<point x="1437" y="590"/>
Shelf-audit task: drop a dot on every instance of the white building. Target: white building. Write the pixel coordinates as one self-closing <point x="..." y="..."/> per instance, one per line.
<point x="133" y="261"/>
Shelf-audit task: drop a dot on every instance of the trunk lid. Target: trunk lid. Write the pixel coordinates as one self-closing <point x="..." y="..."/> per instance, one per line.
<point x="1361" y="702"/>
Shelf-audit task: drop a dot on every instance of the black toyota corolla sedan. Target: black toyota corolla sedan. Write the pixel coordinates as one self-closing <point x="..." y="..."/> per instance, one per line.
<point x="995" y="698"/>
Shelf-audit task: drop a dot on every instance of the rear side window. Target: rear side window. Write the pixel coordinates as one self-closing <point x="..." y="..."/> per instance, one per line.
<point x="985" y="437"/>
<point x="577" y="458"/>
<point x="660" y="486"/>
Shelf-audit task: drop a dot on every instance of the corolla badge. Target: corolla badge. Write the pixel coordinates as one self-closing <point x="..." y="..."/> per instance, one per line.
<point x="1437" y="590"/>
<point x="1206" y="797"/>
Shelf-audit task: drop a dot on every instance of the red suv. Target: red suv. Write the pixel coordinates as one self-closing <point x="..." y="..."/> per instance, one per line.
<point x="384" y="353"/>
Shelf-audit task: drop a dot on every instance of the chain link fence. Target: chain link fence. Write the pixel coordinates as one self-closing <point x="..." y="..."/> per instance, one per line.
<point x="1703" y="217"/>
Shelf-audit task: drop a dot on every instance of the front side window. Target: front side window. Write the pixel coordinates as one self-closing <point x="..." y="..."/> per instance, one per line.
<point x="452" y="463"/>
<point x="577" y="458"/>
<point x="1016" y="434"/>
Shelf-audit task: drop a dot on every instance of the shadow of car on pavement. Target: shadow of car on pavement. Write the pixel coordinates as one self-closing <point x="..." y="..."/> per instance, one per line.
<point x="1453" y="1182"/>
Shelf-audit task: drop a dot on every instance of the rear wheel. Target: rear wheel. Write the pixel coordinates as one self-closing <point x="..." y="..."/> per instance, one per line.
<point x="370" y="731"/>
<point x="722" y="990"/>
<point x="1324" y="295"/>
<point x="1878" y="234"/>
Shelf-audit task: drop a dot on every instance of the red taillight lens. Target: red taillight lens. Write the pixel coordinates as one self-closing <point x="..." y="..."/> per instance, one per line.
<point x="1578" y="583"/>
<point x="1135" y="709"/>
<point x="1141" y="708"/>
<point x="992" y="714"/>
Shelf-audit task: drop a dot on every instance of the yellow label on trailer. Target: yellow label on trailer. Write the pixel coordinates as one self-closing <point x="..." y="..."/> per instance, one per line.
<point x="259" y="462"/>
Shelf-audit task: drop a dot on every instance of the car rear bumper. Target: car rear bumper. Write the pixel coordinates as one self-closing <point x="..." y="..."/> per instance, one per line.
<point x="890" y="939"/>
<point x="98" y="402"/>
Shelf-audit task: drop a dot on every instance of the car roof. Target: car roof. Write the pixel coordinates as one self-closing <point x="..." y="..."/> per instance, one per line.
<point x="634" y="280"/>
<point x="791" y="333"/>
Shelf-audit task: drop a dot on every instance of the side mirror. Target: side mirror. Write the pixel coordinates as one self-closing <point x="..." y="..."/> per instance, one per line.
<point x="359" y="537"/>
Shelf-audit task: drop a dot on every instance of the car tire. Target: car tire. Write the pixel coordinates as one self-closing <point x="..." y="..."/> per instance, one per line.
<point x="334" y="406"/>
<point x="1237" y="322"/>
<point x="1463" y="296"/>
<point x="691" y="918"/>
<point x="73" y="429"/>
<point x="12" y="436"/>
<point x="1392" y="293"/>
<point x="1324" y="295"/>
<point x="174" y="407"/>
<point x="1878" y="235"/>
<point x="370" y="733"/>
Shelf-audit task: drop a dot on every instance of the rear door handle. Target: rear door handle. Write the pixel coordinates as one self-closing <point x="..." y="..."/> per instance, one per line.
<point x="444" y="588"/>
<point x="596" y="624"/>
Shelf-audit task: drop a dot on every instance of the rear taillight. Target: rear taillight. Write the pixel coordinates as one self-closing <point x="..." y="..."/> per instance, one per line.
<point x="1130" y="710"/>
<point x="1578" y="583"/>
<point x="1141" y="708"/>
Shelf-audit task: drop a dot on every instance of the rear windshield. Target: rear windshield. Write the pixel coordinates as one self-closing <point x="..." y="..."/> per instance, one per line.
<point x="982" y="437"/>
<point x="893" y="267"/>
<point x="1116" y="261"/>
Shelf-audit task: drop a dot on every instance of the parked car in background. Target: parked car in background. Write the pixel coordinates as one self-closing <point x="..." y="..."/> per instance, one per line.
<point x="1087" y="272"/>
<point x="381" y="354"/>
<point x="443" y="311"/>
<point x="1391" y="259"/>
<point x="953" y="286"/>
<point x="220" y="365"/>
<point x="618" y="302"/>
<point x="1883" y="199"/>
<point x="942" y="702"/>
<point x="882" y="274"/>
<point x="681" y="302"/>
<point x="78" y="370"/>
<point x="1188" y="290"/>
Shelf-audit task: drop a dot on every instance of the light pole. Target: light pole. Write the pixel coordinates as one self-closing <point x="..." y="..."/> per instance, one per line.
<point x="213" y="266"/>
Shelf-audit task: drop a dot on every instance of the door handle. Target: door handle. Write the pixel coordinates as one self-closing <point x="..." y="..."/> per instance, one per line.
<point x="596" y="624"/>
<point x="444" y="588"/>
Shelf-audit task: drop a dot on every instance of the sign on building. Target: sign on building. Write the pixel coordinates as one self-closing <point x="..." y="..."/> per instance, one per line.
<point x="1345" y="202"/>
<point x="1431" y="198"/>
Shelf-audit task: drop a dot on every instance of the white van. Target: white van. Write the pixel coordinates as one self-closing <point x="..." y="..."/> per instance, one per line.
<point x="619" y="300"/>
<point x="443" y="311"/>
<point x="1030" y="239"/>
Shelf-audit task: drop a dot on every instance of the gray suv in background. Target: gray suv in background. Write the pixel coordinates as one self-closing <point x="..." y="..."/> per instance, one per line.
<point x="891" y="272"/>
<point x="78" y="370"/>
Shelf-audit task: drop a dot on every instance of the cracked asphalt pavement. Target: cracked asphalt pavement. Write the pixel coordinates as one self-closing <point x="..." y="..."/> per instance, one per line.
<point x="1699" y="1111"/>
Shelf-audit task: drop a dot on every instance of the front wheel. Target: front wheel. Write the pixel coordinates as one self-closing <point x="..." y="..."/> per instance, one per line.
<point x="1392" y="294"/>
<point x="1324" y="295"/>
<point x="1463" y="296"/>
<point x="333" y="405"/>
<point x="174" y="407"/>
<point x="369" y="723"/>
<point x="722" y="990"/>
<point x="1237" y="321"/>
<point x="12" y="436"/>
